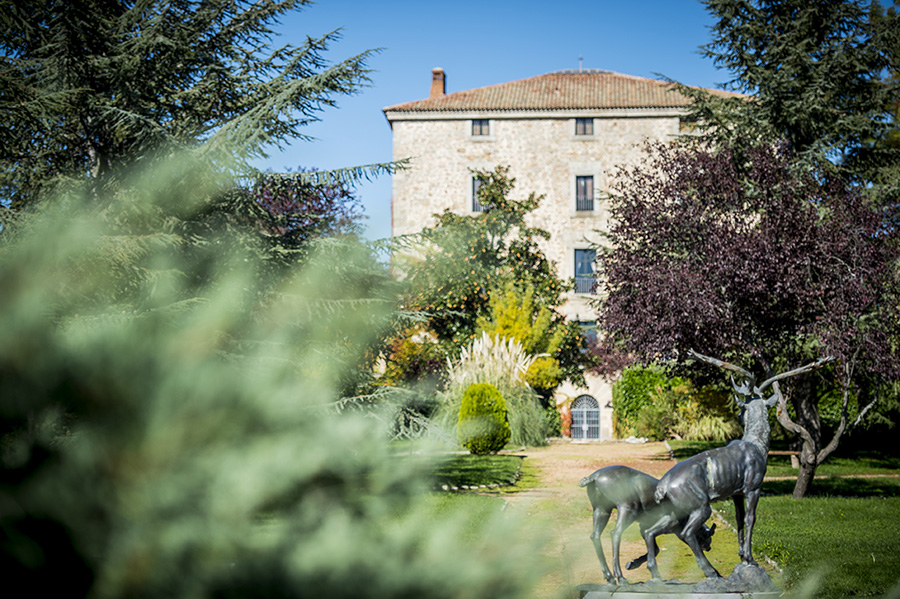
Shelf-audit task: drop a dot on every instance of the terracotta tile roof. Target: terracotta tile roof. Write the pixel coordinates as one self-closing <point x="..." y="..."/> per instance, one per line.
<point x="562" y="90"/>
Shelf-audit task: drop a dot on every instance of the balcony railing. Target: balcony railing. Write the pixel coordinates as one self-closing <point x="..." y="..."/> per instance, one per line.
<point x="584" y="193"/>
<point x="584" y="204"/>
<point x="584" y="284"/>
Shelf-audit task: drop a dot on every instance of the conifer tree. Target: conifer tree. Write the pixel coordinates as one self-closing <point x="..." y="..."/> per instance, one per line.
<point x="821" y="76"/>
<point x="99" y="95"/>
<point x="92" y="88"/>
<point x="111" y="99"/>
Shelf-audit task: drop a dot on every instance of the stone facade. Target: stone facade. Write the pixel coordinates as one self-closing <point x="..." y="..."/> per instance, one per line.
<point x="545" y="155"/>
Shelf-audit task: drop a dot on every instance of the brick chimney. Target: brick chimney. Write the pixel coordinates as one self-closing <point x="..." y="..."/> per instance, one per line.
<point x="438" y="83"/>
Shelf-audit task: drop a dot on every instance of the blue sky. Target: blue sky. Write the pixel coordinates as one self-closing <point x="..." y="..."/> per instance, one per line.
<point x="479" y="43"/>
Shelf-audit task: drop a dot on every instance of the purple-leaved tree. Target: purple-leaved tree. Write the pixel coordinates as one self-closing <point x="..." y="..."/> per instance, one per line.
<point x="741" y="255"/>
<point x="291" y="211"/>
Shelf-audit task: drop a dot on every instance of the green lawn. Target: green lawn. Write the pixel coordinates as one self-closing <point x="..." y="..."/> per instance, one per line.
<point x="853" y="543"/>
<point x="863" y="463"/>
<point x="478" y="511"/>
<point x="472" y="470"/>
<point x="823" y="486"/>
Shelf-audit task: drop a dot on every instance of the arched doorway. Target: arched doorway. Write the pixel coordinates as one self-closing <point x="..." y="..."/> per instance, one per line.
<point x="585" y="418"/>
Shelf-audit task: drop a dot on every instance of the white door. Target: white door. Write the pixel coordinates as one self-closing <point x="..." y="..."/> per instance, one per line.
<point x="585" y="418"/>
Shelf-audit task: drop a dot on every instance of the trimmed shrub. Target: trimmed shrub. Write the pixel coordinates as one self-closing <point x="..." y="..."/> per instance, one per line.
<point x="527" y="423"/>
<point x="482" y="427"/>
<point x="502" y="363"/>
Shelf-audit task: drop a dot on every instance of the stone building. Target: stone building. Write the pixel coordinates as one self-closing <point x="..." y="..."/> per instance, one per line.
<point x="562" y="134"/>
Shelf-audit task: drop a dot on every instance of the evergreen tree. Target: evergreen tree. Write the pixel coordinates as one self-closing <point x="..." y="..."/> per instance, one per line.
<point x="90" y="89"/>
<point x="100" y="95"/>
<point x="155" y="110"/>
<point x="819" y="77"/>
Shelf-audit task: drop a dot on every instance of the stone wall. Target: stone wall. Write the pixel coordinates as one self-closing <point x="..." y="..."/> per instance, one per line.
<point x="544" y="156"/>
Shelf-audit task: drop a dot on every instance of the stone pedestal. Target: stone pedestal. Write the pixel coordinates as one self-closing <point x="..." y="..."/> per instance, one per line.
<point x="745" y="582"/>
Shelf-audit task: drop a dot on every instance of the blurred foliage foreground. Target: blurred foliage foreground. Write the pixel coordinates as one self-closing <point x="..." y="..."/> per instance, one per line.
<point x="172" y="429"/>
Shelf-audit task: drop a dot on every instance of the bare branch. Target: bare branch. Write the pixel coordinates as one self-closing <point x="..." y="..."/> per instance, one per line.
<point x="726" y="365"/>
<point x="842" y="427"/>
<point x="862" y="413"/>
<point x="795" y="371"/>
<point x="870" y="405"/>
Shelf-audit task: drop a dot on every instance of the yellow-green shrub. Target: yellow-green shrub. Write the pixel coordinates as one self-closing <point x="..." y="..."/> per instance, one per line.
<point x="544" y="374"/>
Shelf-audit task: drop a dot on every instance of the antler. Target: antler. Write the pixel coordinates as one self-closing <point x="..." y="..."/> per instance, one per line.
<point x="750" y="380"/>
<point x="801" y="370"/>
<point x="740" y="390"/>
<point x="748" y="377"/>
<point x="744" y="390"/>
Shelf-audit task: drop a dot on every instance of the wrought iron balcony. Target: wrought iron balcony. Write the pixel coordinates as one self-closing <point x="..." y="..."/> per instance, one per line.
<point x="584" y="284"/>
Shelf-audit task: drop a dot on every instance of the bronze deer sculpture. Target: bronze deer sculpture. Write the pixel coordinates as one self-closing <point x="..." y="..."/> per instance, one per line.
<point x="735" y="471"/>
<point x="630" y="493"/>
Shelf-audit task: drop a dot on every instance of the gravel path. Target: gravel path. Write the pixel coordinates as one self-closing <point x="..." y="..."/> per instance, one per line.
<point x="563" y="464"/>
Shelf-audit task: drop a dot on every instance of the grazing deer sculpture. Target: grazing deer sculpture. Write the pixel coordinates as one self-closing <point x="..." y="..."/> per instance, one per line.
<point x="630" y="493"/>
<point x="735" y="471"/>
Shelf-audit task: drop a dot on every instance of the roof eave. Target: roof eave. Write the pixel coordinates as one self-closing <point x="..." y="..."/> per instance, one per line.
<point x="393" y="114"/>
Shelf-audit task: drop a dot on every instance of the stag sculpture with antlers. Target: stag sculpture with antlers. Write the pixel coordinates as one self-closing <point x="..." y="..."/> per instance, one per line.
<point x="735" y="471"/>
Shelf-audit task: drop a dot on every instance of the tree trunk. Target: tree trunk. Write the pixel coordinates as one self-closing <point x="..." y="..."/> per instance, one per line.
<point x="809" y="426"/>
<point x="808" y="465"/>
<point x="805" y="399"/>
<point x="806" y="405"/>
